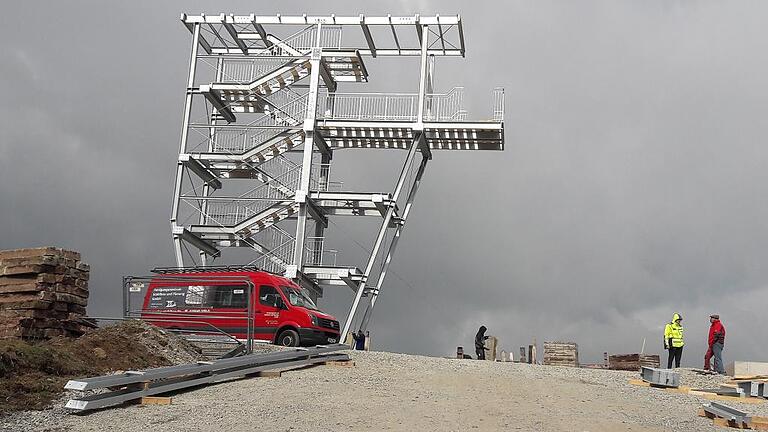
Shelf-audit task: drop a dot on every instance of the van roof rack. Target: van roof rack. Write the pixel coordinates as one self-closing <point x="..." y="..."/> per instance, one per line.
<point x="204" y="269"/>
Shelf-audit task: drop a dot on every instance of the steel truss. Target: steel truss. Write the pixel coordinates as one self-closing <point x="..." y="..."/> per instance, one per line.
<point x="263" y="116"/>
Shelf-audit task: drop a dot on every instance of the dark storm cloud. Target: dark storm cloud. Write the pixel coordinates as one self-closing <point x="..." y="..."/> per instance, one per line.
<point x="632" y="185"/>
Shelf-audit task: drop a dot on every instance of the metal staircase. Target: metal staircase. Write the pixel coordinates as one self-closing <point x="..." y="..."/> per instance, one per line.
<point x="263" y="116"/>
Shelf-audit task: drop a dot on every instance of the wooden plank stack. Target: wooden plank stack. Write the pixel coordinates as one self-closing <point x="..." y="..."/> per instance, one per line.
<point x="632" y="362"/>
<point x="43" y="293"/>
<point x="561" y="354"/>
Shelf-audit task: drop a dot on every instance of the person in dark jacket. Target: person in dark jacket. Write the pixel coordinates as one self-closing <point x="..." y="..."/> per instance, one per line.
<point x="359" y="340"/>
<point x="480" y="338"/>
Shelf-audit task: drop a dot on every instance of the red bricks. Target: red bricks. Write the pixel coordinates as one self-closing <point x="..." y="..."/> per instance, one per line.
<point x="43" y="293"/>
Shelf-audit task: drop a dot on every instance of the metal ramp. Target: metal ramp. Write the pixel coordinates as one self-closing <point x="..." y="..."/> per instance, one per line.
<point x="273" y="107"/>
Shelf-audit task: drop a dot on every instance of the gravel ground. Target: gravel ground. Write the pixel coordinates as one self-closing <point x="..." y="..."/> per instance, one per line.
<point x="387" y="391"/>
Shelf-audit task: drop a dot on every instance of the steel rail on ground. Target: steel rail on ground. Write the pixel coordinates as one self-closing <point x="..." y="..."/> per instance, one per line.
<point x="137" y="384"/>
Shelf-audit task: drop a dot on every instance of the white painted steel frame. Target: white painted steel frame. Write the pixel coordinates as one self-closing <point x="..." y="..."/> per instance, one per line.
<point x="315" y="54"/>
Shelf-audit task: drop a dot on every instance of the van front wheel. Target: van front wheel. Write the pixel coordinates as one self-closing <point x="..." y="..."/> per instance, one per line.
<point x="288" y="338"/>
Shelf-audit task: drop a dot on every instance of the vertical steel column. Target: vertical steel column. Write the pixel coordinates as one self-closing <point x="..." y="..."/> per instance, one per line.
<point x="393" y="244"/>
<point x="302" y="194"/>
<point x="183" y="143"/>
<point x="323" y="182"/>
<point x="206" y="186"/>
<point x="423" y="73"/>
<point x="382" y="232"/>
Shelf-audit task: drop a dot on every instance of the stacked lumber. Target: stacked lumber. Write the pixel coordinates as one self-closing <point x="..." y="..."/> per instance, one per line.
<point x="632" y="362"/>
<point x="43" y="293"/>
<point x="561" y="354"/>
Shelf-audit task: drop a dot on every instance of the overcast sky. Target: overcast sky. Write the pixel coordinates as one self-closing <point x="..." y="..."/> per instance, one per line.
<point x="633" y="184"/>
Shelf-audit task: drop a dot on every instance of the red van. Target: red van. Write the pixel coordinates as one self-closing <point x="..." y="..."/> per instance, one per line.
<point x="201" y="299"/>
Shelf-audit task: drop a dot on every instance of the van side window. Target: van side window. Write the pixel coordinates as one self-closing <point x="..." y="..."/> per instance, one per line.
<point x="195" y="295"/>
<point x="227" y="296"/>
<point x="268" y="296"/>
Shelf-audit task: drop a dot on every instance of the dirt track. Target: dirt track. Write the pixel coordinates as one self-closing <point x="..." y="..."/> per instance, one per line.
<point x="387" y="391"/>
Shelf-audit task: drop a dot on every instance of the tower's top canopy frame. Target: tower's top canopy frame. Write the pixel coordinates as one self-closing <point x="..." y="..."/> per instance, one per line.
<point x="247" y="34"/>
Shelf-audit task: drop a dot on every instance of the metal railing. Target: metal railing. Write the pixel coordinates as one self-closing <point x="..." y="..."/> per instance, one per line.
<point x="445" y="107"/>
<point x="289" y="109"/>
<point x="392" y="106"/>
<point x="179" y="311"/>
<point x="317" y="254"/>
<point x="330" y="37"/>
<point x="280" y="253"/>
<point x="498" y="104"/>
<point x="439" y="107"/>
<point x="229" y="211"/>
<point x="369" y="106"/>
<point x="244" y="71"/>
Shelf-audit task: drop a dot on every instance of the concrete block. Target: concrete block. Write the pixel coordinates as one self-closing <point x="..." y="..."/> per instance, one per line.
<point x="660" y="377"/>
<point x="490" y="345"/>
<point x="746" y="369"/>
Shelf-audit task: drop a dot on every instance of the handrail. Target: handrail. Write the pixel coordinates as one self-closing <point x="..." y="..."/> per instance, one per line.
<point x="439" y="107"/>
<point x="392" y="106"/>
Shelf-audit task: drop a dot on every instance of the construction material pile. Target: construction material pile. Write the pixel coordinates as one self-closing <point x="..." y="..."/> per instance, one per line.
<point x="561" y="354"/>
<point x="632" y="362"/>
<point x="43" y="293"/>
<point x="33" y="372"/>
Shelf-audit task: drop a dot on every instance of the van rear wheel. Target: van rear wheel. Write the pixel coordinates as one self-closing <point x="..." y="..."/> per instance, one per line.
<point x="288" y="338"/>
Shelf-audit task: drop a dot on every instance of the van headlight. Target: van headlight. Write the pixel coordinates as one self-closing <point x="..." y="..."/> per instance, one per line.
<point x="313" y="319"/>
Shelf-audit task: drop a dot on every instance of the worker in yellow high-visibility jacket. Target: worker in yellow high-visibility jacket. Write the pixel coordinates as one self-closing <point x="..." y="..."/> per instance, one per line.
<point x="673" y="340"/>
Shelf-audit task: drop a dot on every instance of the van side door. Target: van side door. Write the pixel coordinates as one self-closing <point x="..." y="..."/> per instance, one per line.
<point x="268" y="309"/>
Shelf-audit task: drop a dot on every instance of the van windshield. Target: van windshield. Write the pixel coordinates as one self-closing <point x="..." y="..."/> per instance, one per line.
<point x="298" y="297"/>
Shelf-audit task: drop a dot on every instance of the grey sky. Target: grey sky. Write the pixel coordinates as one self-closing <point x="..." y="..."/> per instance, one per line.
<point x="633" y="184"/>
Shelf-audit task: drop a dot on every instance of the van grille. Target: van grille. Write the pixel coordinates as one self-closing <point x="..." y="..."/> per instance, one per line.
<point x="331" y="324"/>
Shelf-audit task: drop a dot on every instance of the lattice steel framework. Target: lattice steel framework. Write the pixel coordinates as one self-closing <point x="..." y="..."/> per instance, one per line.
<point x="263" y="116"/>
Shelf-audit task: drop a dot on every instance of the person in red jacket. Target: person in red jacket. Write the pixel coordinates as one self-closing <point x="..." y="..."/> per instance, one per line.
<point x="715" y="344"/>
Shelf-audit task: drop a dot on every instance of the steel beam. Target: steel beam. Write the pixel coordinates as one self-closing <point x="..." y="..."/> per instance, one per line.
<point x="306" y="170"/>
<point x="214" y="97"/>
<point x="368" y="37"/>
<point x="393" y="245"/>
<point x="328" y="19"/>
<point x="187" y="376"/>
<point x="233" y="33"/>
<point x="660" y="377"/>
<point x="183" y="143"/>
<point x="381" y="235"/>
<point x="183" y="234"/>
<point x="200" y="170"/>
<point x="728" y="413"/>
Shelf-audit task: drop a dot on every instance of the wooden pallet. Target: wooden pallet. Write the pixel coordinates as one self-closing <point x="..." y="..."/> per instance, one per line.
<point x="340" y="363"/>
<point x="156" y="400"/>
<point x="641" y="383"/>
<point x="717" y="397"/>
